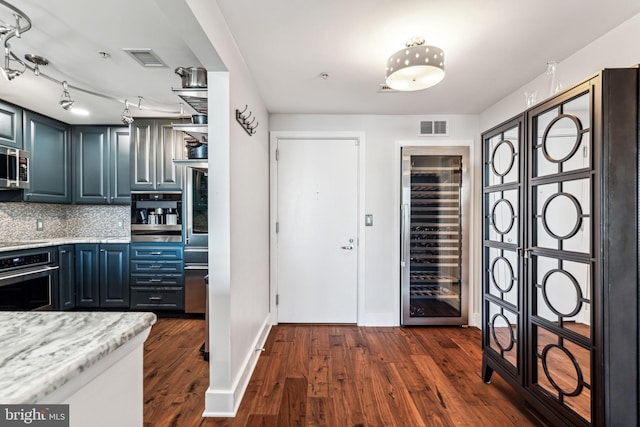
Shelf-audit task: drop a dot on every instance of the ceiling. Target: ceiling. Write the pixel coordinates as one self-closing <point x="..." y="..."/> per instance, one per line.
<point x="492" y="48"/>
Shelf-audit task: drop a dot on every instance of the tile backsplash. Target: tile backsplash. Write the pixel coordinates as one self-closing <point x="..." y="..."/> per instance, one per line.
<point x="18" y="221"/>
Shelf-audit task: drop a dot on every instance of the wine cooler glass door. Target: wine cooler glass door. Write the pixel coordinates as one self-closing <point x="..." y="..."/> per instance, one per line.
<point x="434" y="266"/>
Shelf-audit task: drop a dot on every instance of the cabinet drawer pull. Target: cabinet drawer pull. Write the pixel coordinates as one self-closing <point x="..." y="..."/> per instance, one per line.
<point x="155" y="266"/>
<point x="155" y="298"/>
<point x="155" y="253"/>
<point x="155" y="280"/>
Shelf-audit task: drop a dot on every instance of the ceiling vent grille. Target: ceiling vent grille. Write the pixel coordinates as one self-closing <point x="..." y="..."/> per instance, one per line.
<point x="145" y="57"/>
<point x="386" y="89"/>
<point x="434" y="128"/>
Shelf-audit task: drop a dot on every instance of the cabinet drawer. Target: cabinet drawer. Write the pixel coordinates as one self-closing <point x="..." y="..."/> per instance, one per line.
<point x="157" y="298"/>
<point x="157" y="267"/>
<point x="156" y="252"/>
<point x="146" y="280"/>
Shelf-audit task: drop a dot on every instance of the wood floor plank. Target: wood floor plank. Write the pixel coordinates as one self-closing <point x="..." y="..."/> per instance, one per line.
<point x="272" y="386"/>
<point x="319" y="376"/>
<point x="344" y="391"/>
<point x="293" y="407"/>
<point x="298" y="363"/>
<point x="335" y="375"/>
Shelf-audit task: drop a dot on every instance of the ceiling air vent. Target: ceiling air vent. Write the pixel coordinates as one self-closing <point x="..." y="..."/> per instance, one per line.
<point x="385" y="89"/>
<point x="434" y="128"/>
<point x="145" y="57"/>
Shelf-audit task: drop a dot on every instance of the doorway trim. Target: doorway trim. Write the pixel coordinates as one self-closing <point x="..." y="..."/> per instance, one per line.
<point x="276" y="136"/>
<point x="474" y="298"/>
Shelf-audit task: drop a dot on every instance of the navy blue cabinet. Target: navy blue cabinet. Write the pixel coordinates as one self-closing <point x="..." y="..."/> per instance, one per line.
<point x="154" y="145"/>
<point x="102" y="274"/>
<point x="66" y="278"/>
<point x="10" y="125"/>
<point x="49" y="142"/>
<point x="87" y="275"/>
<point x="101" y="165"/>
<point x="114" y="275"/>
<point x="157" y="276"/>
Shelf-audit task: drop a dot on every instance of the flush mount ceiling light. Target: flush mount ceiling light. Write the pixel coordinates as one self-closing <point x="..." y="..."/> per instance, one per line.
<point x="416" y="67"/>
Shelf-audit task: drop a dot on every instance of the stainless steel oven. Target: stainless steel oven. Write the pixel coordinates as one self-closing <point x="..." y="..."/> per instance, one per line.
<point x="14" y="168"/>
<point x="28" y="279"/>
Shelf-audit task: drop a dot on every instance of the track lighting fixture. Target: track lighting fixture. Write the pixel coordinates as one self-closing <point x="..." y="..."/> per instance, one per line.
<point x="16" y="27"/>
<point x="37" y="61"/>
<point x="126" y="116"/>
<point x="65" y="100"/>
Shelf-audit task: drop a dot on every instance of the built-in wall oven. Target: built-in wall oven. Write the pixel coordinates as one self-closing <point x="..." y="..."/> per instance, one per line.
<point x="156" y="217"/>
<point x="14" y="168"/>
<point x="28" y="279"/>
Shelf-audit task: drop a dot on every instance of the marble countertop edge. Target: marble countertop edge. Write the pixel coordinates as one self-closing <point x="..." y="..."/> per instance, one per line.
<point x="46" y="365"/>
<point x="43" y="243"/>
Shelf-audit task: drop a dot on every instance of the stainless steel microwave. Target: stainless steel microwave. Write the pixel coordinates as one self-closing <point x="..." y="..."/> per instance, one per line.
<point x="14" y="168"/>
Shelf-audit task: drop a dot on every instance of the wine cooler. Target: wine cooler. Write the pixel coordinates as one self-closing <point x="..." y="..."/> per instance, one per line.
<point x="434" y="247"/>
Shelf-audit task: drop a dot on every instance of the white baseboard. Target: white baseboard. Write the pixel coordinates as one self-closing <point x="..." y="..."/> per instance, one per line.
<point x="225" y="403"/>
<point x="379" y="319"/>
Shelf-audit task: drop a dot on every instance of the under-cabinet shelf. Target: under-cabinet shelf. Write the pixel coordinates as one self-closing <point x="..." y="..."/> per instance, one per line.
<point x="196" y="98"/>
<point x="199" y="132"/>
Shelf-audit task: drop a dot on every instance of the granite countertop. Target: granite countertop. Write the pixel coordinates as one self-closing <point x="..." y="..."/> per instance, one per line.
<point x="43" y="350"/>
<point x="30" y="244"/>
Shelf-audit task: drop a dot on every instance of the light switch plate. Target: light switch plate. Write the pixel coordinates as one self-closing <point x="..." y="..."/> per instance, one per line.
<point x="368" y="220"/>
<point x="39" y="225"/>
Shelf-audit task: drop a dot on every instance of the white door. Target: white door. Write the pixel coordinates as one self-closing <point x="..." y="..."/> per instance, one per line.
<point x="317" y="198"/>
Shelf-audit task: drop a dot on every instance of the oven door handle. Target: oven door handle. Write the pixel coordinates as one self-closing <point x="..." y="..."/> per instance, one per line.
<point x="196" y="267"/>
<point x="28" y="273"/>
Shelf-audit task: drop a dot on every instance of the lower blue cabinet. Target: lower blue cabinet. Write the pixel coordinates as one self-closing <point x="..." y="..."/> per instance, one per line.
<point x="102" y="275"/>
<point x="157" y="276"/>
<point x="66" y="298"/>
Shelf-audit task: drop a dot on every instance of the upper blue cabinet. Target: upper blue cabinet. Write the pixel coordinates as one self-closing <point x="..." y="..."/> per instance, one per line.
<point x="10" y="125"/>
<point x="49" y="142"/>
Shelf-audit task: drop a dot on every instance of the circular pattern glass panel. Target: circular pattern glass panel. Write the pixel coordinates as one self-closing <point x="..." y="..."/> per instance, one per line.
<point x="562" y="370"/>
<point x="561" y="292"/>
<point x="502" y="216"/>
<point x="502" y="157"/>
<point x="502" y="332"/>
<point x="561" y="216"/>
<point x="502" y="274"/>
<point x="561" y="138"/>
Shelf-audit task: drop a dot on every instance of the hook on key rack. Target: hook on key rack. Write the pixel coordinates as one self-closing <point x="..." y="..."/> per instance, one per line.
<point x="246" y="120"/>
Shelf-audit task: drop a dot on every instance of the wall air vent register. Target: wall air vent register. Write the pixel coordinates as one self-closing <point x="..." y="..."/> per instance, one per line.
<point x="434" y="128"/>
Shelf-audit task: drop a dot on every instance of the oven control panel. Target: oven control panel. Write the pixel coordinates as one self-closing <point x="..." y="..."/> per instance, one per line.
<point x="9" y="262"/>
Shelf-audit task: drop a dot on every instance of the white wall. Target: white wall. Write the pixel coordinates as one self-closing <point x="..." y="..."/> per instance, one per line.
<point x="383" y="135"/>
<point x="239" y="220"/>
<point x="616" y="49"/>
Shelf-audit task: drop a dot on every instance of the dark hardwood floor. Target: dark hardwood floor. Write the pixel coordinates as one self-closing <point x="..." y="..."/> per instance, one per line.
<point x="318" y="375"/>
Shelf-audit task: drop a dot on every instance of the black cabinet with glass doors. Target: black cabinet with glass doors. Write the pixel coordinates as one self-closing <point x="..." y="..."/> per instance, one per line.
<point x="560" y="252"/>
